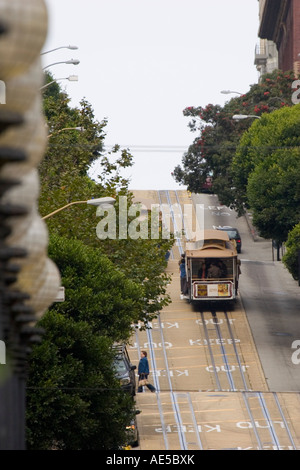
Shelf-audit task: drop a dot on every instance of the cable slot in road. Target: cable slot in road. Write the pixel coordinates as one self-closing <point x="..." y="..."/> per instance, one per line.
<point x="262" y="414"/>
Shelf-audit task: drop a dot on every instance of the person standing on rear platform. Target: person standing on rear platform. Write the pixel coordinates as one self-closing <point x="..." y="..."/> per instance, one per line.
<point x="183" y="281"/>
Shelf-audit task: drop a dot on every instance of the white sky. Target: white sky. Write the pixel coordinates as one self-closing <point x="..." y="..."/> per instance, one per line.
<point x="142" y="62"/>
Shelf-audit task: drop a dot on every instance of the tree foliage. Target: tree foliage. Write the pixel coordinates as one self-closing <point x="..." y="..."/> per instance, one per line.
<point x="291" y="257"/>
<point x="253" y="162"/>
<point x="95" y="290"/>
<point x="64" y="178"/>
<point x="74" y="400"/>
<point x="218" y="136"/>
<point x="267" y="171"/>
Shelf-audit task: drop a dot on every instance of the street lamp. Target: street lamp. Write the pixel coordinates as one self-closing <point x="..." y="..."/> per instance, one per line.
<point x="80" y="129"/>
<point x="71" y="78"/>
<point x="276" y="98"/>
<point x="239" y="117"/>
<point x="228" y="92"/>
<point x="61" y="47"/>
<point x="71" y="61"/>
<point x="105" y="202"/>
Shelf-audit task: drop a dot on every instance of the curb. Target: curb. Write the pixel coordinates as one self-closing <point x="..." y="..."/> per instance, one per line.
<point x="252" y="229"/>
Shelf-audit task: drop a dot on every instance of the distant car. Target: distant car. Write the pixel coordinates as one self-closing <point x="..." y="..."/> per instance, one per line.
<point x="233" y="234"/>
<point x="124" y="369"/>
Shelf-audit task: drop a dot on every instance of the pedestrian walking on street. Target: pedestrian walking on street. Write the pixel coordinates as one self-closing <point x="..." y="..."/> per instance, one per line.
<point x="143" y="371"/>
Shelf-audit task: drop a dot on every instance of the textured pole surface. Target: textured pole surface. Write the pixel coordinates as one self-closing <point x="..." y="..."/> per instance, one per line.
<point x="29" y="281"/>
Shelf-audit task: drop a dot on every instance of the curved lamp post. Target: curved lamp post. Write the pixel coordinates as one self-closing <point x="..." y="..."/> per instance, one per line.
<point x="101" y="201"/>
<point x="71" y="61"/>
<point x="71" y="78"/>
<point x="239" y="117"/>
<point x="80" y="129"/>
<point x="228" y="92"/>
<point x="61" y="47"/>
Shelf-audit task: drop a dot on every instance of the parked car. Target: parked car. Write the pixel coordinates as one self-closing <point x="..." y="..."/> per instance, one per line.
<point x="124" y="369"/>
<point x="233" y="234"/>
<point x="132" y="432"/>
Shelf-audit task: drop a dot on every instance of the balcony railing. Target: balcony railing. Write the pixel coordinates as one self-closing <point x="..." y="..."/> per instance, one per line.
<point x="261" y="55"/>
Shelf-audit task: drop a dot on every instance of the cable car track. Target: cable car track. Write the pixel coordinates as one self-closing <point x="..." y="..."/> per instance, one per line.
<point x="263" y="411"/>
<point x="248" y="394"/>
<point x="223" y="344"/>
<point x="164" y="195"/>
<point x="262" y="416"/>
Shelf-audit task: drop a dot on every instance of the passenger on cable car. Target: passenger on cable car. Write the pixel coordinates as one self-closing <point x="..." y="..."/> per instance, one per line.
<point x="202" y="272"/>
<point x="214" y="271"/>
<point x="183" y="280"/>
<point x="223" y="268"/>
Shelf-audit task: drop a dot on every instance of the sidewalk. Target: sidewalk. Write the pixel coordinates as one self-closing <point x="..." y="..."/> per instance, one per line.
<point x="289" y="282"/>
<point x="252" y="229"/>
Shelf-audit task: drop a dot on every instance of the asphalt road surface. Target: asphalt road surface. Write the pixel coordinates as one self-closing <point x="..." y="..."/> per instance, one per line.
<point x="270" y="296"/>
<point x="223" y="379"/>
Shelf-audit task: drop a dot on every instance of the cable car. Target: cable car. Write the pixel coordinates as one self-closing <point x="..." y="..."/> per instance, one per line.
<point x="212" y="267"/>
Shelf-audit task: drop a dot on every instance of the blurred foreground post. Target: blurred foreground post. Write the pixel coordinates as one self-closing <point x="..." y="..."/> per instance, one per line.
<point x="29" y="281"/>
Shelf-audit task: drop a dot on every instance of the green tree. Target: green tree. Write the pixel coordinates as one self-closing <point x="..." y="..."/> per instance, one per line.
<point x="64" y="178"/>
<point x="273" y="192"/>
<point x="267" y="172"/>
<point x="291" y="257"/>
<point x="96" y="291"/>
<point x="74" y="401"/>
<point x="218" y="135"/>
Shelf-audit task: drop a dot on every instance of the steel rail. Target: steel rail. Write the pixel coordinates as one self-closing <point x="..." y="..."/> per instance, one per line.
<point x="236" y="351"/>
<point x="261" y="401"/>
<point x="268" y="419"/>
<point x="175" y="406"/>
<point x="187" y="397"/>
<point x="195" y="424"/>
<point x="159" y="405"/>
<point x="189" y="234"/>
<point x="178" y="239"/>
<point x="245" y="397"/>
<point x="284" y="421"/>
<point x="211" y="352"/>
<point x="161" y="204"/>
<point x="229" y="375"/>
<point x="227" y="365"/>
<point x="223" y="351"/>
<point x="259" y="394"/>
<point x="246" y="392"/>
<point x="182" y="216"/>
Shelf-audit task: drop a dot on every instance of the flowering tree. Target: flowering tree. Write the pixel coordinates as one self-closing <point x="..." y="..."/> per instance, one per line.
<point x="218" y="135"/>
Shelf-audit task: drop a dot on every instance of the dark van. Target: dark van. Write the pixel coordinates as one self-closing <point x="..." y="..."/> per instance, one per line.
<point x="124" y="369"/>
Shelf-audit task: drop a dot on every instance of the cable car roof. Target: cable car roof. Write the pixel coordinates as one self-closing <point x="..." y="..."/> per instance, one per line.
<point x="214" y="244"/>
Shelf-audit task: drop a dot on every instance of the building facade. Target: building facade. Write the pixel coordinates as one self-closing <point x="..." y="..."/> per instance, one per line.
<point x="280" y="23"/>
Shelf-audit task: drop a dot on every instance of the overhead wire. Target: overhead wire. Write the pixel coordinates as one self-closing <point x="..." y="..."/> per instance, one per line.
<point x="170" y="149"/>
